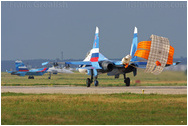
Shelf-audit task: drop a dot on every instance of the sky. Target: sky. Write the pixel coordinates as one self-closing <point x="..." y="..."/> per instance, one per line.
<point x="42" y="30"/>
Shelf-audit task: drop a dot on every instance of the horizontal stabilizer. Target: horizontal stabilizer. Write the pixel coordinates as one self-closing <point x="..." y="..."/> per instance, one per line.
<point x="117" y="63"/>
<point x="174" y="64"/>
<point x="177" y="63"/>
<point x="8" y="71"/>
<point x="45" y="63"/>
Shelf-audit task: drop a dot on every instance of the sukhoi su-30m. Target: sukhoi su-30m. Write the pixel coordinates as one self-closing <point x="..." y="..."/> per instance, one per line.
<point x="155" y="55"/>
<point x="22" y="70"/>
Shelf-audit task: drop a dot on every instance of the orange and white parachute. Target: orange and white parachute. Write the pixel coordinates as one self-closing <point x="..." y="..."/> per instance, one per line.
<point x="158" y="52"/>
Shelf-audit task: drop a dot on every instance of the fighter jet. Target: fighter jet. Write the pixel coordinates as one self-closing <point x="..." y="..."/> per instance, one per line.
<point x="56" y="68"/>
<point x="22" y="70"/>
<point x="96" y="63"/>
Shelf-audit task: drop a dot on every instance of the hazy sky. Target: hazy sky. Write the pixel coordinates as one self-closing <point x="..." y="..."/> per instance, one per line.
<point x="33" y="30"/>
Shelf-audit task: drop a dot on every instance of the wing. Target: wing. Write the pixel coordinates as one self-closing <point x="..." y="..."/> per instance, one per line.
<point x="88" y="68"/>
<point x="71" y="62"/>
<point x="38" y="70"/>
<point x="79" y="63"/>
<point x="53" y="63"/>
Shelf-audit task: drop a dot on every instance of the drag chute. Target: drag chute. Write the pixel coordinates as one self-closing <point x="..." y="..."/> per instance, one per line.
<point x="157" y="52"/>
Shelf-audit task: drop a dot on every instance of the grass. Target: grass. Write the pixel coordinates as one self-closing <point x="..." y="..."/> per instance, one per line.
<point x="166" y="78"/>
<point x="93" y="109"/>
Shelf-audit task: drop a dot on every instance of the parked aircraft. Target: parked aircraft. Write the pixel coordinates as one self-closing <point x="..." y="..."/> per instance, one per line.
<point x="22" y="70"/>
<point x="154" y="59"/>
<point x="57" y="69"/>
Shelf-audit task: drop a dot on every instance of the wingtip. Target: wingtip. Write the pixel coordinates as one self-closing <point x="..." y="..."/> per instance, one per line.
<point x="97" y="30"/>
<point x="135" y="30"/>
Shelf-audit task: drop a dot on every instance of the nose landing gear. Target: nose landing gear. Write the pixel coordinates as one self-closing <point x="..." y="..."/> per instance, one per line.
<point x="89" y="81"/>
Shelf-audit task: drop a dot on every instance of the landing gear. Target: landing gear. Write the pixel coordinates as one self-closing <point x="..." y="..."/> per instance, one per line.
<point x="89" y="81"/>
<point x="49" y="76"/>
<point x="31" y="77"/>
<point x="126" y="80"/>
<point x="116" y="76"/>
<point x="96" y="83"/>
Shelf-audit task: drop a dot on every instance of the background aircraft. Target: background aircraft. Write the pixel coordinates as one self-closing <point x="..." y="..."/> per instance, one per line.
<point x="95" y="63"/>
<point x="22" y="70"/>
<point x="56" y="68"/>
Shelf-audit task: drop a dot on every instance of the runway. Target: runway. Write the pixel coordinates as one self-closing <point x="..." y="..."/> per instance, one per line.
<point x="96" y="90"/>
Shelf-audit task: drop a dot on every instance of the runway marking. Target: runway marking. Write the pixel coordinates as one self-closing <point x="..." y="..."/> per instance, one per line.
<point x="96" y="90"/>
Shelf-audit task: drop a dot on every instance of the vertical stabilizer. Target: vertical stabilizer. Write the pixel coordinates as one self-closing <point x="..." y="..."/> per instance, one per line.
<point x="20" y="66"/>
<point x="134" y="45"/>
<point x="95" y="49"/>
<point x="96" y="39"/>
<point x="94" y="55"/>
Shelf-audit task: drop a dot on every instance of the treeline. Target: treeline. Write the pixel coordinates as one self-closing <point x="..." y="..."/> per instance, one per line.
<point x="37" y="63"/>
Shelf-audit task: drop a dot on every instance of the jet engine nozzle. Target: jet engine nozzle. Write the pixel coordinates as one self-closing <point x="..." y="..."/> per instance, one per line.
<point x="107" y="66"/>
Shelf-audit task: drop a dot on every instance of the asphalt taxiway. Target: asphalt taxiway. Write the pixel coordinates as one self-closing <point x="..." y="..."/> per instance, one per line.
<point x="95" y="90"/>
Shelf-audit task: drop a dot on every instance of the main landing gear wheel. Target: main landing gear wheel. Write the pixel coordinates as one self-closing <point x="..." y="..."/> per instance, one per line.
<point x="96" y="83"/>
<point x="88" y="82"/>
<point x="31" y="77"/>
<point x="127" y="81"/>
<point x="49" y="75"/>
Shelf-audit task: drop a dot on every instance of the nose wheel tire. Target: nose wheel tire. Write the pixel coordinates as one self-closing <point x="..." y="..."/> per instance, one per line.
<point x="127" y="81"/>
<point x="88" y="82"/>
